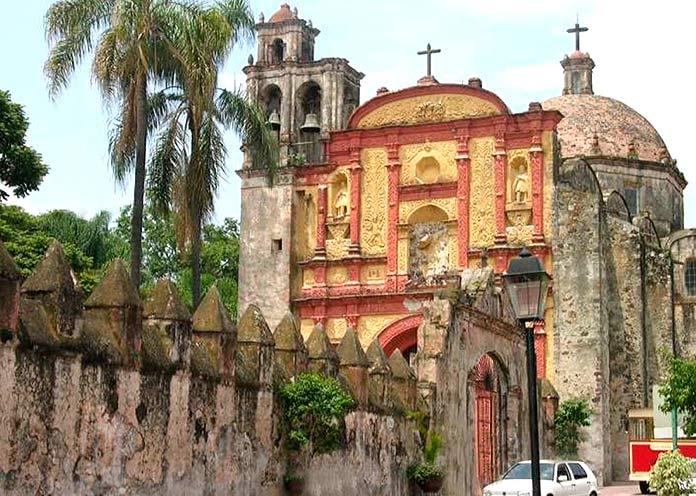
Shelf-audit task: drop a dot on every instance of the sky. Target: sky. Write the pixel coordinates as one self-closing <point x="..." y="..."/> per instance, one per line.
<point x="514" y="46"/>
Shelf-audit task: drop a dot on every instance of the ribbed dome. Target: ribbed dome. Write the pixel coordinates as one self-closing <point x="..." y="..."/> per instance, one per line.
<point x="283" y="14"/>
<point x="618" y="127"/>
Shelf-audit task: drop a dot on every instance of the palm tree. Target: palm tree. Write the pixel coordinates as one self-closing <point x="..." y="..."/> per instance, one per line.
<point x="133" y="45"/>
<point x="190" y="152"/>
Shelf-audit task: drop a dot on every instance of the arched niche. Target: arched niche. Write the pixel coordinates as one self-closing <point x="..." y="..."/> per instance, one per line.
<point x="616" y="205"/>
<point x="339" y="197"/>
<point x="427" y="214"/>
<point x="519" y="185"/>
<point x="272" y="97"/>
<point x="401" y="335"/>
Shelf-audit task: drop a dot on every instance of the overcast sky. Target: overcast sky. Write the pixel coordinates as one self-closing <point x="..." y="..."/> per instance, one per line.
<point x="514" y="46"/>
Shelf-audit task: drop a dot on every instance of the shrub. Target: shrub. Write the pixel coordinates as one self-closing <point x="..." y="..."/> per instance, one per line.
<point x="427" y="470"/>
<point x="571" y="416"/>
<point x="313" y="409"/>
<point x="671" y="474"/>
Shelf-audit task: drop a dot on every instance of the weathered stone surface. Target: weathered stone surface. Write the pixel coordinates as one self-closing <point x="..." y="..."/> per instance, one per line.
<point x="9" y="295"/>
<point x="322" y="355"/>
<point x="52" y="282"/>
<point x="290" y="349"/>
<point x="167" y="326"/>
<point x="353" y="365"/>
<point x="113" y="319"/>
<point x="255" y="343"/>
<point x="213" y="350"/>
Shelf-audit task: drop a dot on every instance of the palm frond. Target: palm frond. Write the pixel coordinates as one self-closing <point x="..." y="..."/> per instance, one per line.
<point x="240" y="17"/>
<point x="122" y="137"/>
<point x="166" y="164"/>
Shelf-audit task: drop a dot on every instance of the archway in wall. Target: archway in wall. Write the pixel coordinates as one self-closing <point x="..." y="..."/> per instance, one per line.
<point x="402" y="335"/>
<point x="488" y="385"/>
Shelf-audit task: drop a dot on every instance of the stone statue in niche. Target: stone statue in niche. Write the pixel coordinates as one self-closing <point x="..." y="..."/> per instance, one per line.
<point x="341" y="202"/>
<point x="428" y="254"/>
<point x="520" y="186"/>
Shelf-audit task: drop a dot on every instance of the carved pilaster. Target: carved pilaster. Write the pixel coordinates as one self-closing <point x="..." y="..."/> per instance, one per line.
<point x="537" y="155"/>
<point x="540" y="348"/>
<point x="320" y="250"/>
<point x="499" y="173"/>
<point x="355" y="186"/>
<point x="463" y="185"/>
<point x="393" y="168"/>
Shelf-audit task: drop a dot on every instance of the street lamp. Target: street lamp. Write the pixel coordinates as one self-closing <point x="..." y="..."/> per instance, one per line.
<point x="526" y="282"/>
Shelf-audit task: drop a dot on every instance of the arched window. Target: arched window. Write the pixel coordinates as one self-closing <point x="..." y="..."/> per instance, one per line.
<point x="690" y="278"/>
<point x="278" y="52"/>
<point x="575" y="83"/>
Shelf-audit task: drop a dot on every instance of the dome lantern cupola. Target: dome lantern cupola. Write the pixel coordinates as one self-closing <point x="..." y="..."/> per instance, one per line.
<point x="577" y="68"/>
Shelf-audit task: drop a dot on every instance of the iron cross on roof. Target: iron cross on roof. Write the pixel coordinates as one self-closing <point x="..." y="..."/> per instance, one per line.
<point x="428" y="52"/>
<point x="577" y="30"/>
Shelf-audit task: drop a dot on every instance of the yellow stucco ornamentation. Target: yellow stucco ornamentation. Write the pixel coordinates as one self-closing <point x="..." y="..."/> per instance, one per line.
<point x="430" y="108"/>
<point x="373" y="274"/>
<point x="482" y="204"/>
<point x="308" y="277"/>
<point x="373" y="199"/>
<point x="442" y="151"/>
<point x="403" y="252"/>
<point x="335" y="329"/>
<point x="370" y="326"/>
<point x="306" y="327"/>
<point x="336" y="248"/>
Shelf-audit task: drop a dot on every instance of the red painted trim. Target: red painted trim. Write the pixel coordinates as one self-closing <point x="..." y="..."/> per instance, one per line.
<point x="540" y="348"/>
<point x="393" y="198"/>
<point x="427" y="191"/>
<point x="402" y="334"/>
<point x="538" y="194"/>
<point x="415" y="91"/>
<point x="463" y="194"/>
<point x="321" y="220"/>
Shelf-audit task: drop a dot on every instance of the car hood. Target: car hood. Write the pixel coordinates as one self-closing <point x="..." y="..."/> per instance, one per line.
<point x="513" y="486"/>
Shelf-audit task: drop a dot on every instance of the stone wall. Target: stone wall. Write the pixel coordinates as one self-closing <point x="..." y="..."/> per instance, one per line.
<point x="116" y="397"/>
<point x="682" y="245"/>
<point x="612" y="297"/>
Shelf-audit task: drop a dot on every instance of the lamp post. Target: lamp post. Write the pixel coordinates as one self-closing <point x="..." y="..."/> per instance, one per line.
<point x="526" y="282"/>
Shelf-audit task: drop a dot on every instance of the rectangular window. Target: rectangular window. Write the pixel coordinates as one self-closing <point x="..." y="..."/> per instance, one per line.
<point x="631" y="196"/>
<point x="690" y="277"/>
<point x="277" y="245"/>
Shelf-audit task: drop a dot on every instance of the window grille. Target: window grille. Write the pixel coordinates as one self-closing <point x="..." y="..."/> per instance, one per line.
<point x="690" y="278"/>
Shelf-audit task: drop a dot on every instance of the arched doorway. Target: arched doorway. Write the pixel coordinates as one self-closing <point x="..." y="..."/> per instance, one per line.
<point x="488" y="385"/>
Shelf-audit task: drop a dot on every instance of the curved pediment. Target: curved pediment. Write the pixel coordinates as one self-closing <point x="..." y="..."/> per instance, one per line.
<point x="421" y="105"/>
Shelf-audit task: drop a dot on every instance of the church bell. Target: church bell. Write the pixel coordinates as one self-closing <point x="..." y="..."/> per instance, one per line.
<point x="311" y="124"/>
<point x="274" y="120"/>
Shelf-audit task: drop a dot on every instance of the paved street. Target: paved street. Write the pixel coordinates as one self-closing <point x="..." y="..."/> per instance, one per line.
<point x="627" y="489"/>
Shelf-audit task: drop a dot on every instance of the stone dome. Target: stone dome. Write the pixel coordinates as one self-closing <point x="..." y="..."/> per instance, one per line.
<point x="283" y="14"/>
<point x="620" y="130"/>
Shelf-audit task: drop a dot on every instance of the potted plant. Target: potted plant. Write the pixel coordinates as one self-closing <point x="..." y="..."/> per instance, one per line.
<point x="427" y="474"/>
<point x="293" y="483"/>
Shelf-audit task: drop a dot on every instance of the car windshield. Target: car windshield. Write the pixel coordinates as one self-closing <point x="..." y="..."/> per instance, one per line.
<point x="524" y="471"/>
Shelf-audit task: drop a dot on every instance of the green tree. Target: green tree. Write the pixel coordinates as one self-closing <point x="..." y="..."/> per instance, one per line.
<point x="190" y="151"/>
<point x="671" y="474"/>
<point x="571" y="416"/>
<point x="679" y="391"/>
<point x="134" y="44"/>
<point x="21" y="167"/>
<point x="26" y="239"/>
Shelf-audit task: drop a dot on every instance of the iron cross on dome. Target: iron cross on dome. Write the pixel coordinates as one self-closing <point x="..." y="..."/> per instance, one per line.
<point x="428" y="52"/>
<point x="577" y="30"/>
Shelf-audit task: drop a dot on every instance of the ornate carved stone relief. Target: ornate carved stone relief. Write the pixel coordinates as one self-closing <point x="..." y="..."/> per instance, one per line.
<point x="425" y="163"/>
<point x="370" y="326"/>
<point x="482" y="204"/>
<point x="431" y="108"/>
<point x="336" y="275"/>
<point x="373" y="201"/>
<point x="428" y="260"/>
<point x="448" y="205"/>
<point x="372" y="274"/>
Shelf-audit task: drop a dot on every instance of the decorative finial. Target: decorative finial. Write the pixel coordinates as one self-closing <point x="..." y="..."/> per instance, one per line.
<point x="596" y="150"/>
<point x="262" y="18"/>
<point x="250" y="60"/>
<point x="309" y="24"/>
<point x="294" y="12"/>
<point x="577" y="30"/>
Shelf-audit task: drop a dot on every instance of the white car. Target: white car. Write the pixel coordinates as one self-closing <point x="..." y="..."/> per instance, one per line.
<point x="558" y="478"/>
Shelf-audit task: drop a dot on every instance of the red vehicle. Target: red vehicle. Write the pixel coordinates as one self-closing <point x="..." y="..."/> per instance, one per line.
<point x="644" y="447"/>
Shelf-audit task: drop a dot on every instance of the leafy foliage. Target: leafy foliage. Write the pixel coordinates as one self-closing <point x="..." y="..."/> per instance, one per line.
<point x="671" y="474"/>
<point x="423" y="472"/>
<point x="27" y="238"/>
<point x="679" y="391"/>
<point x="571" y="416"/>
<point x="313" y="409"/>
<point x="21" y="167"/>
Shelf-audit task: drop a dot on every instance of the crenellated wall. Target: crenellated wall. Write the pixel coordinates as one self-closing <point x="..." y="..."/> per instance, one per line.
<point x="114" y="396"/>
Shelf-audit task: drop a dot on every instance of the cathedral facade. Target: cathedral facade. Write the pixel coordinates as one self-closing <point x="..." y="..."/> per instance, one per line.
<point x="377" y="206"/>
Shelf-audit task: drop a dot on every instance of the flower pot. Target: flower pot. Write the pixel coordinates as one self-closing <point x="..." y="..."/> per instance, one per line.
<point x="433" y="485"/>
<point x="295" y="487"/>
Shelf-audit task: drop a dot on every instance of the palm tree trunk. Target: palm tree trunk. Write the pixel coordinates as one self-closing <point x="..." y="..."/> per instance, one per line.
<point x="136" y="242"/>
<point x="196" y="260"/>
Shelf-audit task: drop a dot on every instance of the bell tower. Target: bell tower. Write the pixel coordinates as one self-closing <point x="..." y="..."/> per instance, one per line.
<point x="304" y="99"/>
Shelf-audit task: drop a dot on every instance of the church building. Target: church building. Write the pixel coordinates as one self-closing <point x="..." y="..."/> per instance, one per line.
<point x="377" y="206"/>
